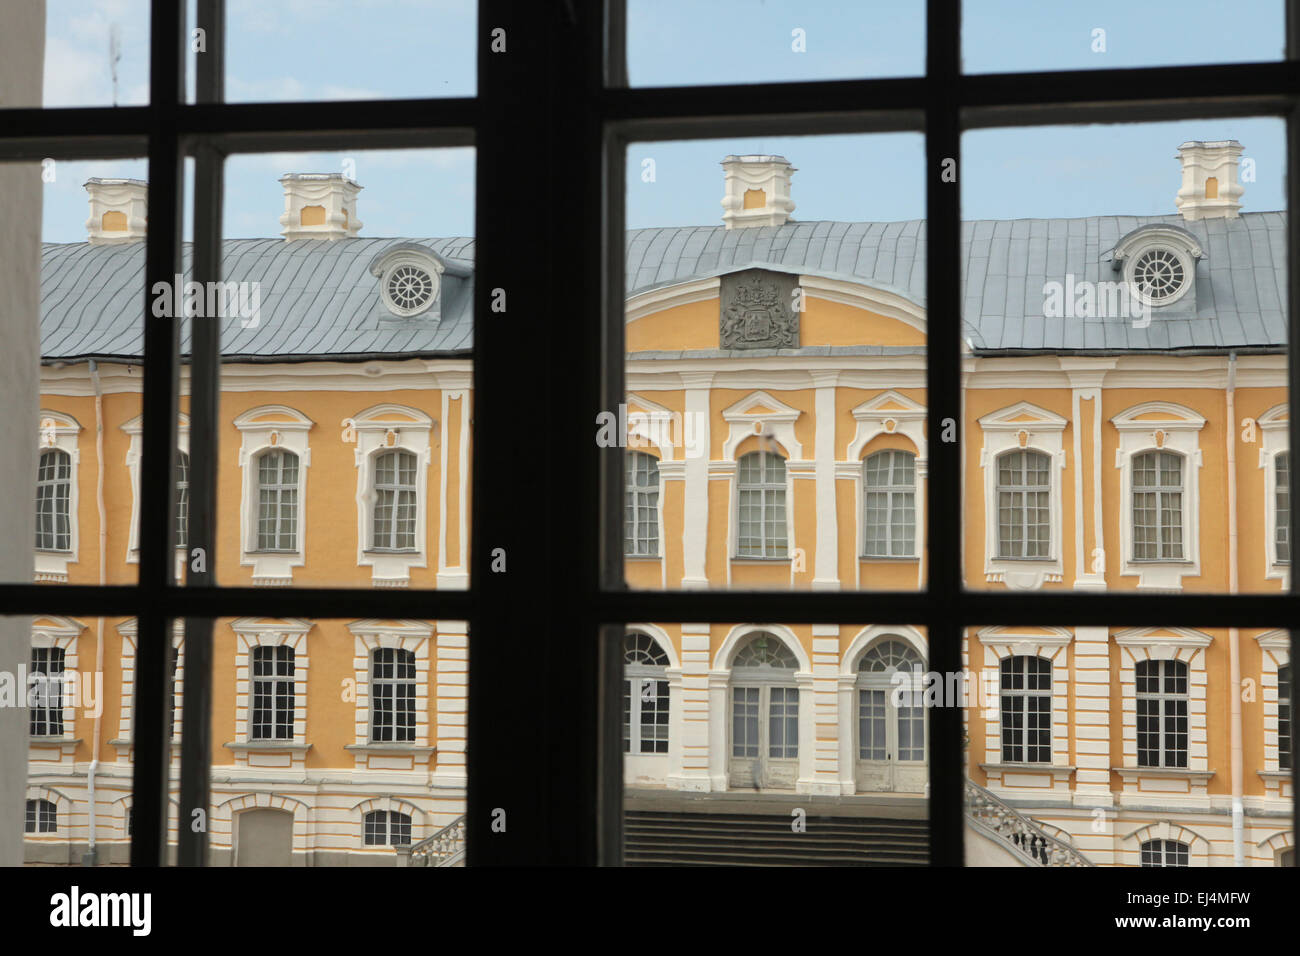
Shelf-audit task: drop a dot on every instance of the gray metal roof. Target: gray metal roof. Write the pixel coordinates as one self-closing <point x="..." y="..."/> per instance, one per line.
<point x="319" y="299"/>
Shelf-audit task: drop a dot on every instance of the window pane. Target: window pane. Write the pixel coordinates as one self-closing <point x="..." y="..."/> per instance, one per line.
<point x="293" y="53"/>
<point x="1005" y="36"/>
<point x="346" y="452"/>
<point x="741" y="729"/>
<point x="1121" y="718"/>
<point x="795" y="459"/>
<point x="679" y="43"/>
<point x="1096" y="451"/>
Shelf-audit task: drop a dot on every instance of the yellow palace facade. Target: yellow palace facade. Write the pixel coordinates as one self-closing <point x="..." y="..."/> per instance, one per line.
<point x="1124" y="427"/>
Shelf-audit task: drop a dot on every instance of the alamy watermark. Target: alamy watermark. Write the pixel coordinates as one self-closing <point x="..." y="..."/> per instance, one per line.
<point x="1084" y="299"/>
<point x="209" y="300"/>
<point x="36" y="689"/>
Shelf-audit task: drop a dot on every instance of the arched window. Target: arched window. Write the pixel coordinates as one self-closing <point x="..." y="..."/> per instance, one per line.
<point x="891" y="718"/>
<point x="645" y="695"/>
<point x="1282" y="507"/>
<point x="273" y="693"/>
<point x="277" y="501"/>
<point x="1161" y="713"/>
<point x="393" y="527"/>
<point x="182" y="499"/>
<point x="1164" y="853"/>
<point x="42" y="817"/>
<point x="889" y="504"/>
<point x="53" y="497"/>
<point x="1024" y="497"/>
<point x="392" y="695"/>
<point x="761" y="484"/>
<point x="46" y="692"/>
<point x="1026" y="709"/>
<point x="387" y="828"/>
<point x="1284" y="743"/>
<point x="641" y="519"/>
<point x="764" y="714"/>
<point x="1157" y="506"/>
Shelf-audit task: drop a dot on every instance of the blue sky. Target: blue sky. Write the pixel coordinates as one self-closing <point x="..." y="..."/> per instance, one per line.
<point x="319" y="49"/>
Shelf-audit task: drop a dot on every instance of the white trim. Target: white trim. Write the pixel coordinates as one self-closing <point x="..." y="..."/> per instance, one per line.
<point x="135" y="448"/>
<point x="1023" y="426"/>
<point x="371" y="635"/>
<point x="865" y="297"/>
<point x="641" y="304"/>
<point x="873" y="420"/>
<point x="1175" y="430"/>
<point x="452" y="576"/>
<point x="1275" y="653"/>
<point x="58" y="431"/>
<point x="1273" y="441"/>
<point x="383" y="428"/>
<point x="268" y="632"/>
<point x="45" y="754"/>
<point x="286" y="430"/>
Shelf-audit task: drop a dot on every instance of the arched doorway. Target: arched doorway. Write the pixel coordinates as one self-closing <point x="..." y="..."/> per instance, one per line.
<point x="764" y="725"/>
<point x="891" y="755"/>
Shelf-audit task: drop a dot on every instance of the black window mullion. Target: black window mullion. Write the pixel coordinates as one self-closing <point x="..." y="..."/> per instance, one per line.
<point x="943" y="400"/>
<point x="205" y="403"/>
<point x="152" y="714"/>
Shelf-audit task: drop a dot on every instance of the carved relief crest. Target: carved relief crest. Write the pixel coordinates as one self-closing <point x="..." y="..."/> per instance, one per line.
<point x="756" y="311"/>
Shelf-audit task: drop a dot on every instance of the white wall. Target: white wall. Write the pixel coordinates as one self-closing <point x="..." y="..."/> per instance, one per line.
<point x="22" y="57"/>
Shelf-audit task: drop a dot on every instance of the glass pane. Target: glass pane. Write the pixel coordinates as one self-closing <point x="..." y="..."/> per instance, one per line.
<point x="739" y="753"/>
<point x="1097" y="443"/>
<point x="680" y="43"/>
<point x="775" y="417"/>
<point x="96" y="54"/>
<point x="1005" y="36"/>
<point x="346" y="338"/>
<point x="385" y="757"/>
<point x="335" y="50"/>
<point x="73" y="333"/>
<point x="1084" y="744"/>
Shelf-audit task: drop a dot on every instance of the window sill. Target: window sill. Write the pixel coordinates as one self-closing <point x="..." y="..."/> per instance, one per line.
<point x="387" y="748"/>
<point x="414" y="551"/>
<point x="756" y="560"/>
<point x="643" y="557"/>
<point x="888" y="558"/>
<point x="263" y="746"/>
<point x="1171" y="773"/>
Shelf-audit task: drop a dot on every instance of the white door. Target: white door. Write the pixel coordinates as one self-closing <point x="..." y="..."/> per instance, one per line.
<point x="764" y="737"/>
<point x="891" y="720"/>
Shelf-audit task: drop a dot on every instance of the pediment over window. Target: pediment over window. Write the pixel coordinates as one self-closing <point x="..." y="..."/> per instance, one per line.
<point x="1158" y="415"/>
<point x="760" y="414"/>
<point x="1021" y="414"/>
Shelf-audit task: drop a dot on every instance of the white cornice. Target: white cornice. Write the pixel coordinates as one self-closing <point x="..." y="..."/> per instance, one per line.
<point x="656" y="300"/>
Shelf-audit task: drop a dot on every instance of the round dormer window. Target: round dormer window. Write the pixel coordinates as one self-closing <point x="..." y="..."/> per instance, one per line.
<point x="409" y="289"/>
<point x="1159" y="274"/>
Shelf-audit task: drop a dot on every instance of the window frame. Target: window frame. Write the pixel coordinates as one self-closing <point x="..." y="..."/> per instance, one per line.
<point x="585" y="62"/>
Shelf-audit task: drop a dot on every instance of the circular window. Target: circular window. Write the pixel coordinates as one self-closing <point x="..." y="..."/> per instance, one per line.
<point x="1159" y="275"/>
<point x="409" y="288"/>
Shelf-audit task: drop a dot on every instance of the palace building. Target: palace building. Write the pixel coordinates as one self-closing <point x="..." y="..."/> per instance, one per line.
<point x="1124" y="427"/>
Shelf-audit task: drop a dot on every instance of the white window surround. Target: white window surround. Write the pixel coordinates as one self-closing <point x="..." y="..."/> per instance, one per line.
<point x="720" y="703"/>
<point x="418" y="257"/>
<point x="1273" y="440"/>
<point x="62" y="814"/>
<point x="1160" y="426"/>
<point x="134" y="429"/>
<point x="1052" y="644"/>
<point x="368" y="636"/>
<point x="759" y="414"/>
<point x="262" y="429"/>
<point x="1198" y="848"/>
<point x="49" y="631"/>
<point x="1275" y="654"/>
<point x="1027" y="427"/>
<point x="265" y="632"/>
<point x="380" y="429"/>
<point x="1142" y="783"/>
<point x="129" y="630"/>
<point x="889" y="413"/>
<point x="60" y="431"/>
<point x="390" y="805"/>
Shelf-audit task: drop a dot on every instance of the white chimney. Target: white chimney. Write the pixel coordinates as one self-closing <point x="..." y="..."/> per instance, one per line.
<point x="319" y="206"/>
<point x="119" y="210"/>
<point x="757" y="191"/>
<point x="1210" y="188"/>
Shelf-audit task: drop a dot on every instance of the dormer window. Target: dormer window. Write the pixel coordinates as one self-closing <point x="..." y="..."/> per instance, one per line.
<point x="1158" y="263"/>
<point x="410" y="279"/>
<point x="408" y="288"/>
<point x="1159" y="274"/>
